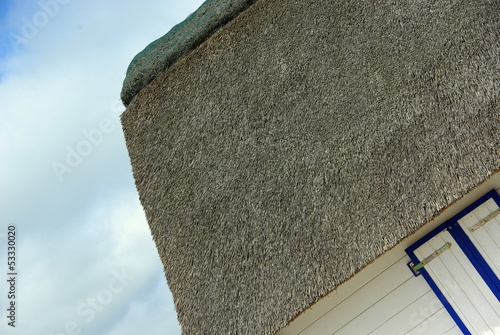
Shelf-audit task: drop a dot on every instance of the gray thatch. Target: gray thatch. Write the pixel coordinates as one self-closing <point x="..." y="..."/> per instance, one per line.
<point x="179" y="42"/>
<point x="303" y="140"/>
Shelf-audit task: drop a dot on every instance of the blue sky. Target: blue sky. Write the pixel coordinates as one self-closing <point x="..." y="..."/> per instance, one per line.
<point x="86" y="260"/>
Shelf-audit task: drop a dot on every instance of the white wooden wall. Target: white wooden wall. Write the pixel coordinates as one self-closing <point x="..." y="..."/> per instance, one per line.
<point x="461" y="284"/>
<point x="386" y="298"/>
<point x="393" y="302"/>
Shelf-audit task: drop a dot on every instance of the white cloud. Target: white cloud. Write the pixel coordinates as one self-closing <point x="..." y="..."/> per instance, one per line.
<point x="76" y="264"/>
<point x="142" y="313"/>
<point x="75" y="234"/>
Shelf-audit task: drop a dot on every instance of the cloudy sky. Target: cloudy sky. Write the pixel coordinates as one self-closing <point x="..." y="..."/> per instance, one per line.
<point x="85" y="260"/>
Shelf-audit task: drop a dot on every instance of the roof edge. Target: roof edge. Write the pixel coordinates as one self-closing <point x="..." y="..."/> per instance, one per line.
<point x="178" y="43"/>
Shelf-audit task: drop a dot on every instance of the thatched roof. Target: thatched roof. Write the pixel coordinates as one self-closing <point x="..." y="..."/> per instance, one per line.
<point x="304" y="139"/>
<point x="179" y="42"/>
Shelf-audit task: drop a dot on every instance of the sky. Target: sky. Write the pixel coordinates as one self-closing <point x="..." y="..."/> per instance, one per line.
<point x="85" y="261"/>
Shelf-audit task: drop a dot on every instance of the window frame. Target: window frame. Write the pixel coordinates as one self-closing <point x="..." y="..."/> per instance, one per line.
<point x="467" y="246"/>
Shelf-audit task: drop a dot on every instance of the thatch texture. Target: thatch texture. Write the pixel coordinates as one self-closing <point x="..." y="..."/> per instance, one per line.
<point x="179" y="42"/>
<point x="303" y="140"/>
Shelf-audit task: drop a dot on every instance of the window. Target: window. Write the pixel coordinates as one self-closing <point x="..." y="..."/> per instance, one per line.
<point x="460" y="260"/>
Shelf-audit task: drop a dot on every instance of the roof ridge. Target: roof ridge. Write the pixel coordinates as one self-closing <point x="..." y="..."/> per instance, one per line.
<point x="178" y="43"/>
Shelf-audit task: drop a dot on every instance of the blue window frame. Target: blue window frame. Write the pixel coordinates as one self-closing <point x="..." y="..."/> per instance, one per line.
<point x="470" y="250"/>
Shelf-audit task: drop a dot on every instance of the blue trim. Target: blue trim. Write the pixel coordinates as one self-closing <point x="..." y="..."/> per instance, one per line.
<point x="422" y="241"/>
<point x="476" y="259"/>
<point x="445" y="302"/>
<point x="468" y="248"/>
<point x="431" y="282"/>
<point x="496" y="197"/>
<point x="490" y="194"/>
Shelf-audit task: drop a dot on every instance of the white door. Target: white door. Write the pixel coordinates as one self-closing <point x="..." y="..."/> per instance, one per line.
<point x="482" y="226"/>
<point x="461" y="284"/>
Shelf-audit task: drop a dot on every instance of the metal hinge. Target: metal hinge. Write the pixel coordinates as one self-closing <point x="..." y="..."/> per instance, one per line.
<point x="416" y="267"/>
<point x="481" y="223"/>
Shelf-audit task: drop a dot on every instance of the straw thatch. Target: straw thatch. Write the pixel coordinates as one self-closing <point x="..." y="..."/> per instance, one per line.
<point x="178" y="42"/>
<point x="306" y="138"/>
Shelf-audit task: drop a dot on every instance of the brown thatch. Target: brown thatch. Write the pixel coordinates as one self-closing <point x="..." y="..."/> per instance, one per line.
<point x="179" y="42"/>
<point x="303" y="140"/>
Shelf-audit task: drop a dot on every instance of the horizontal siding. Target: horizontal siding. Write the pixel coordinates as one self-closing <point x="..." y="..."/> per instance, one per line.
<point x="360" y="300"/>
<point x="462" y="285"/>
<point x="424" y="315"/>
<point x="454" y="331"/>
<point x="366" y="305"/>
<point x="393" y="302"/>
<point x="379" y="313"/>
